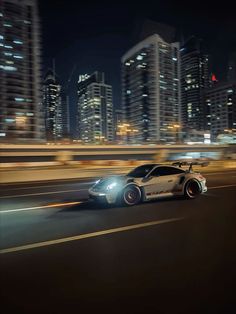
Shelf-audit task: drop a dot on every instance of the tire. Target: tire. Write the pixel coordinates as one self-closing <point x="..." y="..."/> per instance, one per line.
<point x="192" y="189"/>
<point x="131" y="195"/>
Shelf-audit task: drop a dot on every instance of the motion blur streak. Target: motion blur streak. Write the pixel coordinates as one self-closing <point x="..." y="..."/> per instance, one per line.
<point x="44" y="193"/>
<point x="88" y="235"/>
<point x="221" y="186"/>
<point x="40" y="207"/>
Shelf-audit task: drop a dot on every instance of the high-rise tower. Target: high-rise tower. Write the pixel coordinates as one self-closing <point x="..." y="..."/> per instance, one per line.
<point x="21" y="114"/>
<point x="95" y="109"/>
<point x="151" y="90"/>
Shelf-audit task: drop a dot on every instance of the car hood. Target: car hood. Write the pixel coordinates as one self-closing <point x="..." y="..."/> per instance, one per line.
<point x="120" y="179"/>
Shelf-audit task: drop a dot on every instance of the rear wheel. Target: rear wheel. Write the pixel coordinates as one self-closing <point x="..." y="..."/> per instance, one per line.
<point x="131" y="195"/>
<point x="192" y="189"/>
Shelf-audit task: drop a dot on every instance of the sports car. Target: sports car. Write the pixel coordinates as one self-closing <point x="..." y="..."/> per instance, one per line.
<point x="148" y="182"/>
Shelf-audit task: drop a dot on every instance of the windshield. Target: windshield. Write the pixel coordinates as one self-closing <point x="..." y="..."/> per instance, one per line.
<point x="140" y="171"/>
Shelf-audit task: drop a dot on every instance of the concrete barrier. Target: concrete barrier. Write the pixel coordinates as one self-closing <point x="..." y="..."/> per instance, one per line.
<point x="78" y="171"/>
<point x="85" y="154"/>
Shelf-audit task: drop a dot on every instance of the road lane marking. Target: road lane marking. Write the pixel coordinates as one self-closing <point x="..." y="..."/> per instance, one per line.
<point x="39" y="207"/>
<point x="42" y="193"/>
<point x="221" y="186"/>
<point x="88" y="235"/>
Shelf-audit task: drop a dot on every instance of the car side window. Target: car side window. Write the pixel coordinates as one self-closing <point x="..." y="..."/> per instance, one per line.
<point x="156" y="172"/>
<point x="165" y="171"/>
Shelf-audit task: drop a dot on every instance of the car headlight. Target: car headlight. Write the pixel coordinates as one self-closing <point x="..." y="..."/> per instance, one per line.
<point x="111" y="186"/>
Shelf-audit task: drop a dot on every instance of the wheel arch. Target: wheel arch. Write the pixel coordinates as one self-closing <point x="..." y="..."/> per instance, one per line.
<point x="130" y="184"/>
<point x="189" y="180"/>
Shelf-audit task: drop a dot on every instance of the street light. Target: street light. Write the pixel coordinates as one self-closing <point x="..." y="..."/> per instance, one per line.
<point x="175" y="128"/>
<point x="101" y="139"/>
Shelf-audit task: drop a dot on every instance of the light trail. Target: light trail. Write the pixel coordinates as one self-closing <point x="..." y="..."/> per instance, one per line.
<point x="39" y="207"/>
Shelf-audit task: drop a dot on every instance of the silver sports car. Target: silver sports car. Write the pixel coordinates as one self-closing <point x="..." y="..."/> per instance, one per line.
<point x="147" y="182"/>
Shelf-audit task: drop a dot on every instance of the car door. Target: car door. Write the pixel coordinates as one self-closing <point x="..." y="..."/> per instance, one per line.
<point x="161" y="181"/>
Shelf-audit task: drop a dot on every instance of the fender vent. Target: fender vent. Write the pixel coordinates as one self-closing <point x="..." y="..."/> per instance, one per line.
<point x="130" y="180"/>
<point x="181" y="180"/>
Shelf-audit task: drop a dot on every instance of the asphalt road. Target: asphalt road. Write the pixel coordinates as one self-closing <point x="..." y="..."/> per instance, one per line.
<point x="62" y="254"/>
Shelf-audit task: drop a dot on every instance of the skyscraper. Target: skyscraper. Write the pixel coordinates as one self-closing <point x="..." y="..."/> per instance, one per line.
<point x="21" y="115"/>
<point x="65" y="109"/>
<point x="151" y="90"/>
<point x="95" y="109"/>
<point x="52" y="107"/>
<point x="194" y="80"/>
<point x="231" y="71"/>
<point x="221" y="103"/>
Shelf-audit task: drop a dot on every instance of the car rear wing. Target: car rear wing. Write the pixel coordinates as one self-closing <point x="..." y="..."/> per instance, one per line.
<point x="190" y="164"/>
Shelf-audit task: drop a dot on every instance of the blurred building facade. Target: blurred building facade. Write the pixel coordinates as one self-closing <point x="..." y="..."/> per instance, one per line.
<point x="21" y="114"/>
<point x="65" y="109"/>
<point x="95" y="109"/>
<point x="118" y="121"/>
<point x="194" y="81"/>
<point x="151" y="90"/>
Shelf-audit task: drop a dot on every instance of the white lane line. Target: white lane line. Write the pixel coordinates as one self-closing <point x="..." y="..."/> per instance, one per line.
<point x="43" y="193"/>
<point x="39" y="207"/>
<point x="87" y="235"/>
<point x="221" y="186"/>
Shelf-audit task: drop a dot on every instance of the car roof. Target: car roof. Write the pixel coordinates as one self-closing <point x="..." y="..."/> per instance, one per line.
<point x="159" y="165"/>
<point x="167" y="166"/>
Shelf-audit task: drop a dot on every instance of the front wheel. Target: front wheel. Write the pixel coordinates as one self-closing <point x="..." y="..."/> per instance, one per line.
<point x="192" y="189"/>
<point x="131" y="195"/>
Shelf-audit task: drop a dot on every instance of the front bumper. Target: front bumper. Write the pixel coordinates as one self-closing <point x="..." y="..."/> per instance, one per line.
<point x="102" y="197"/>
<point x="203" y="185"/>
<point x="97" y="198"/>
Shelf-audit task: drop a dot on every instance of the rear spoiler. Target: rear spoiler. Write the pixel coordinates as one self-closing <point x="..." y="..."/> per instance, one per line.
<point x="190" y="164"/>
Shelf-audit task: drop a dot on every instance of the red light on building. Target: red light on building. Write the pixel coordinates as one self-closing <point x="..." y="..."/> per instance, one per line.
<point x="213" y="78"/>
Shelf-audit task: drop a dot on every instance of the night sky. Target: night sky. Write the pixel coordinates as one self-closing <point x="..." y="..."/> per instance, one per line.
<point x="84" y="36"/>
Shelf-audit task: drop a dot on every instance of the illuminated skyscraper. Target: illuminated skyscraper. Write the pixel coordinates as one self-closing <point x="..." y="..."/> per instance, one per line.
<point x="52" y="107"/>
<point x="221" y="103"/>
<point x="95" y="109"/>
<point x="65" y="109"/>
<point x="194" y="81"/>
<point x="151" y="90"/>
<point x="21" y="114"/>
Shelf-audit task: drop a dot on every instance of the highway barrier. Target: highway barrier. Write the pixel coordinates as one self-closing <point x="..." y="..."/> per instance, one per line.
<point x="94" y="170"/>
<point x="55" y="155"/>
